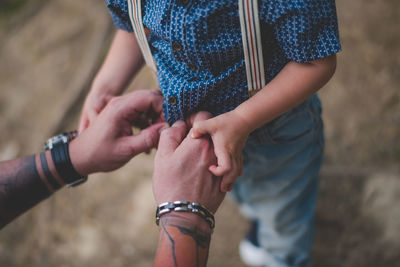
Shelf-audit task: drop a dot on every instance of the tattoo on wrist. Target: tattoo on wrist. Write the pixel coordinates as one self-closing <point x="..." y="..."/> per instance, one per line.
<point x="21" y="187"/>
<point x="198" y="240"/>
<point x="51" y="182"/>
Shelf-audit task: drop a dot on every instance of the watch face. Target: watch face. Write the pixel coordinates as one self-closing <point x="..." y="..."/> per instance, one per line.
<point x="62" y="138"/>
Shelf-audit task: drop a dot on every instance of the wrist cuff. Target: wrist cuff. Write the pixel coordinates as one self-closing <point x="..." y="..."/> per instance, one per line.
<point x="64" y="167"/>
<point x="185" y="206"/>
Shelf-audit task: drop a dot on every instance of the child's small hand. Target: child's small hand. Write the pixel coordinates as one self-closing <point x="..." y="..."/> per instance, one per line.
<point x="229" y="136"/>
<point x="94" y="104"/>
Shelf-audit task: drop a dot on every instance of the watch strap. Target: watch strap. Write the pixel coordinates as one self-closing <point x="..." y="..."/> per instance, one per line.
<point x="63" y="164"/>
<point x="50" y="177"/>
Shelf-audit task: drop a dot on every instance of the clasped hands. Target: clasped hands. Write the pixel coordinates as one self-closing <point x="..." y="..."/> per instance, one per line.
<point x="143" y="109"/>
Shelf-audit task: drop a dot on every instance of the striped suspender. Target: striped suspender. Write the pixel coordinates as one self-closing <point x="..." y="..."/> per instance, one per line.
<point x="251" y="37"/>
<point x="135" y="14"/>
<point x="252" y="48"/>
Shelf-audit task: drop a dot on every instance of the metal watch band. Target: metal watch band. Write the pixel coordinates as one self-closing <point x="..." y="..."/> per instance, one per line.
<point x="185" y="206"/>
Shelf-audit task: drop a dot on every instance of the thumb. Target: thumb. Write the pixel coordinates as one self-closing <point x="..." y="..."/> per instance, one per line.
<point x="146" y="140"/>
<point x="171" y="138"/>
<point x="200" y="128"/>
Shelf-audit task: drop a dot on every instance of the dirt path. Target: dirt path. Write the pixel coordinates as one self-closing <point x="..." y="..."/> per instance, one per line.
<point x="47" y="61"/>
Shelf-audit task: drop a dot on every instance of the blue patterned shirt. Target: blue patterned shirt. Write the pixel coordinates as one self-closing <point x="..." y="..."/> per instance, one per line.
<point x="197" y="46"/>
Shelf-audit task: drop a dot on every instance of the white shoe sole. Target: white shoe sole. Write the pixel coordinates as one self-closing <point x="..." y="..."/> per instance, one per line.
<point x="251" y="255"/>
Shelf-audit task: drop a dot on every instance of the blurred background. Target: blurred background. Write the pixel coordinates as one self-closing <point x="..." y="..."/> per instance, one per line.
<point x="49" y="52"/>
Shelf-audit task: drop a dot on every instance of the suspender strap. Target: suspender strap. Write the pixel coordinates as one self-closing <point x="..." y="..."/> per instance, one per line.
<point x="251" y="38"/>
<point x="135" y="14"/>
<point x="252" y="48"/>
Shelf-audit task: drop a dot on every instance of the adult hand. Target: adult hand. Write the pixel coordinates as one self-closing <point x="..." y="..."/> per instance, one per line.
<point x="109" y="141"/>
<point x="181" y="168"/>
<point x="181" y="173"/>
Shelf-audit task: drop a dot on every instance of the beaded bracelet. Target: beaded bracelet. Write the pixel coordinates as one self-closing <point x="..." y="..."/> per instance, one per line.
<point x="185" y="206"/>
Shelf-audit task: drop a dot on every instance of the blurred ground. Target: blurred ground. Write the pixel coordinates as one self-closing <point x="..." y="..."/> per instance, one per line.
<point x="49" y="51"/>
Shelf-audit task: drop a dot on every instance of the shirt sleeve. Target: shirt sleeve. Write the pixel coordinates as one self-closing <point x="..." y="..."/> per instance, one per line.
<point x="306" y="30"/>
<point x="120" y="14"/>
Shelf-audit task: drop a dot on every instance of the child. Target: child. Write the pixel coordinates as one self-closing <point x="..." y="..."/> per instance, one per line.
<point x="277" y="133"/>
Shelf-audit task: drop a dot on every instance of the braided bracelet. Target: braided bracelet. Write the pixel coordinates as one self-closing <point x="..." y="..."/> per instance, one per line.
<point x="186" y="206"/>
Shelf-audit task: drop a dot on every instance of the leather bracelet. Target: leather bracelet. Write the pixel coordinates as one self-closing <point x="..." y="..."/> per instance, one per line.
<point x="185" y="206"/>
<point x="50" y="178"/>
<point x="63" y="164"/>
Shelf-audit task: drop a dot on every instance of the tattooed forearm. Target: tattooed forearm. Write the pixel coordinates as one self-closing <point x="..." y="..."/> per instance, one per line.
<point x="182" y="243"/>
<point x="23" y="184"/>
<point x="171" y="241"/>
<point x="200" y="238"/>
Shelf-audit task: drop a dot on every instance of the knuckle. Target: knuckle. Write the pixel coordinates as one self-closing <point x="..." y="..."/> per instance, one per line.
<point x="156" y="92"/>
<point x="170" y="133"/>
<point x="132" y="150"/>
<point x="196" y="125"/>
<point x="203" y="143"/>
<point x="167" y="133"/>
<point x="150" y="138"/>
<point x="204" y="115"/>
<point x="115" y="101"/>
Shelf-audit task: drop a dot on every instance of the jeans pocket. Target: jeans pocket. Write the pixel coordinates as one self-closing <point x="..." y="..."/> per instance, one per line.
<point x="293" y="126"/>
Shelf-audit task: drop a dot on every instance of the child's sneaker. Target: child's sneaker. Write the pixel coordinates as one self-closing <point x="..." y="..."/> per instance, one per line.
<point x="250" y="250"/>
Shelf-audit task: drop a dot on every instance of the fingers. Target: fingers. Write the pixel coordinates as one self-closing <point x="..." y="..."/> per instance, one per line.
<point x="137" y="103"/>
<point x="229" y="179"/>
<point x="144" y="141"/>
<point x="142" y="121"/>
<point x="200" y="149"/>
<point x="228" y="167"/>
<point x="199" y="116"/>
<point x="171" y="138"/>
<point x="200" y="128"/>
<point x="224" y="163"/>
<point x="145" y="119"/>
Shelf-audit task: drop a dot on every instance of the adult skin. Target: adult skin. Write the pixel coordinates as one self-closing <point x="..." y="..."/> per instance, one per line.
<point x="124" y="59"/>
<point x="23" y="182"/>
<point x="181" y="173"/>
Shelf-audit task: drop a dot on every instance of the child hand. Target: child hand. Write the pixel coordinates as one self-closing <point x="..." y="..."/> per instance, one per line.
<point x="94" y="104"/>
<point x="229" y="136"/>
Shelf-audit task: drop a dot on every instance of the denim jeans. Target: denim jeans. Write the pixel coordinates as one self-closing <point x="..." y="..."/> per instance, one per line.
<point x="280" y="182"/>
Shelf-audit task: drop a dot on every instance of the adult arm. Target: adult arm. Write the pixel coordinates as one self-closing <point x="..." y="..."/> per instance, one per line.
<point x="123" y="61"/>
<point x="27" y="181"/>
<point x="181" y="173"/>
